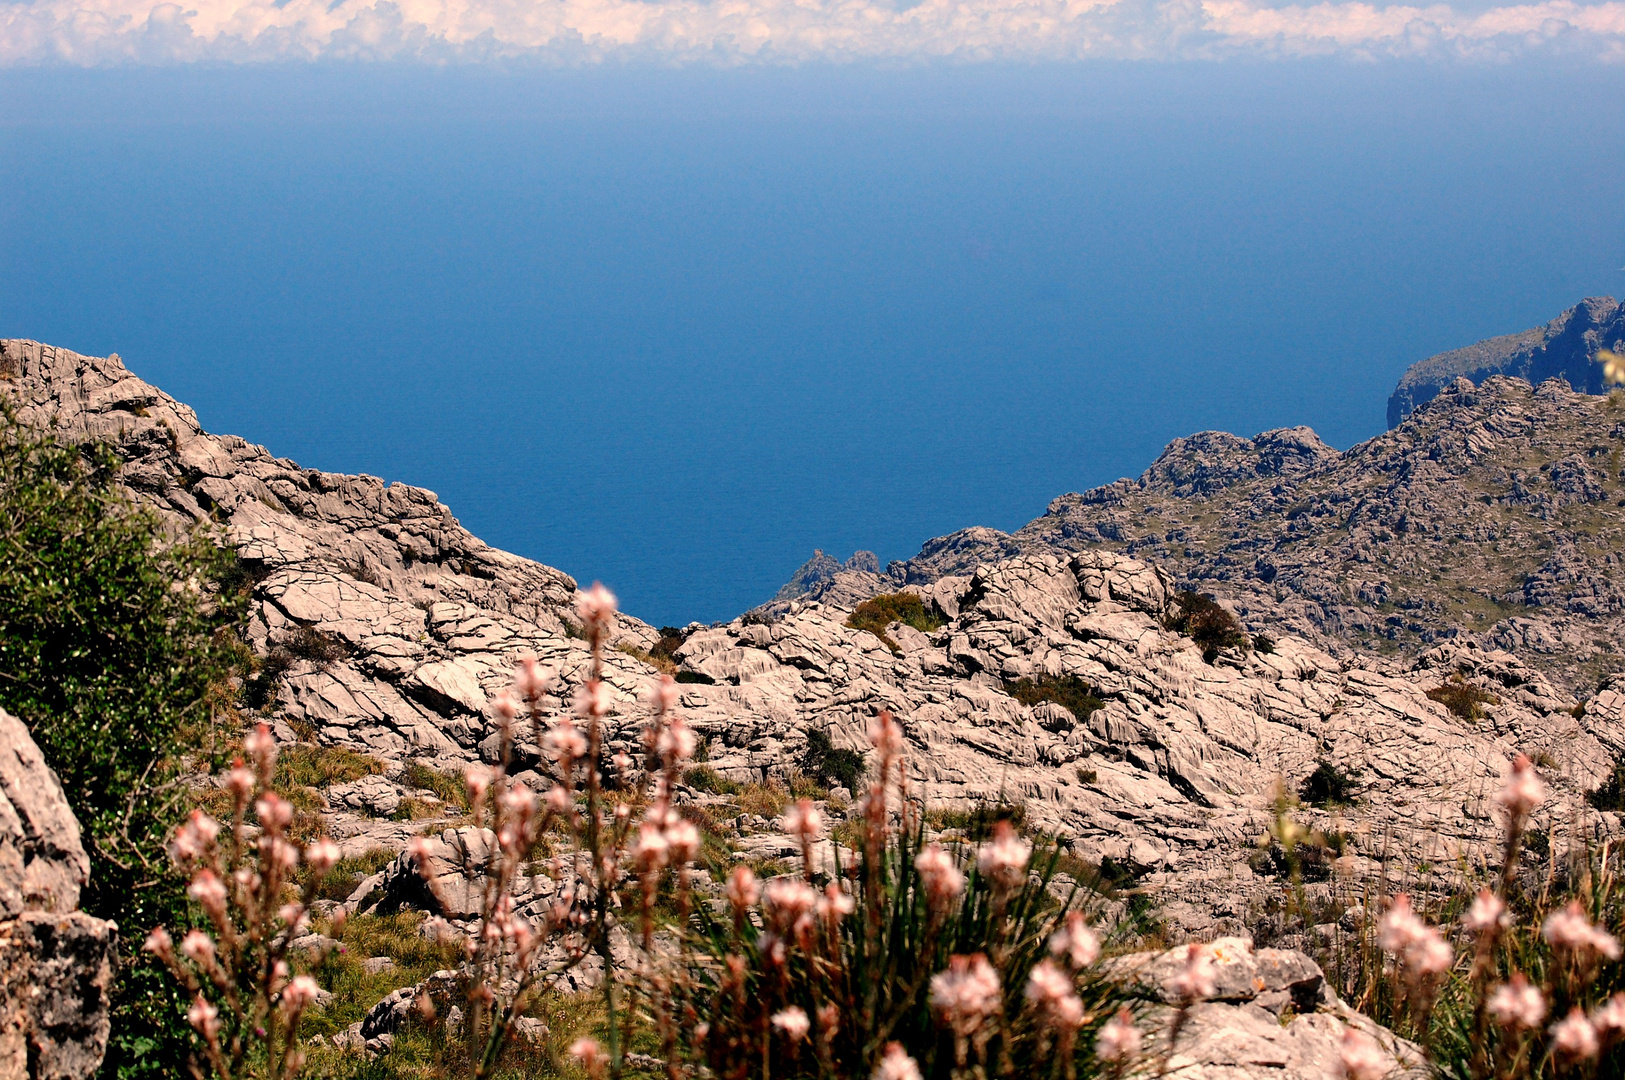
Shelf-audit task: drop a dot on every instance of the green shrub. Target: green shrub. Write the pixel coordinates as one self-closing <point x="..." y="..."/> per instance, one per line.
<point x="309" y="765"/>
<point x="1611" y="795"/>
<point x="829" y="766"/>
<point x="704" y="778"/>
<point x="1201" y="618"/>
<point x="449" y="787"/>
<point x="116" y="647"/>
<point x="694" y="677"/>
<point x="1462" y="698"/>
<point x="876" y="614"/>
<point x="977" y="823"/>
<point x="1329" y="786"/>
<point x="1067" y="691"/>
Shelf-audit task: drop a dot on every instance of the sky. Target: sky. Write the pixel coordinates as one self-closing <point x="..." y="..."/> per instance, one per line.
<point x="670" y="295"/>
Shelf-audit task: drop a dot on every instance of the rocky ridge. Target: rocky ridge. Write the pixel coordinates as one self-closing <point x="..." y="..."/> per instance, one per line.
<point x="1490" y="515"/>
<point x="418" y="623"/>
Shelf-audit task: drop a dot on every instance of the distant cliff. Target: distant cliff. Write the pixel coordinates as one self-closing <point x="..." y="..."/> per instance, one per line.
<point x="1565" y="348"/>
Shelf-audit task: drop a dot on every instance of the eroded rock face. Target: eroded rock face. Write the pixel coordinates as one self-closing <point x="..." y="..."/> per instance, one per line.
<point x="398" y="627"/>
<point x="56" y="964"/>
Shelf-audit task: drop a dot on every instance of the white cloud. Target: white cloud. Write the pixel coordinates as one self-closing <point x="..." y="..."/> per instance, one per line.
<point x="782" y="31"/>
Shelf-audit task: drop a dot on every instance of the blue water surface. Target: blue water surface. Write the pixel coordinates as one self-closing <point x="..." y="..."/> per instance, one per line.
<point x="675" y="329"/>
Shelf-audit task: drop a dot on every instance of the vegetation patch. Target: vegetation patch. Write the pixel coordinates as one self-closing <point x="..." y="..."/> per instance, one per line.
<point x="706" y="779"/>
<point x="1067" y="691"/>
<point x="1462" y="698"/>
<point x="1202" y="619"/>
<point x="312" y="766"/>
<point x="875" y="614"/>
<point x="830" y="766"/>
<point x="976" y="823"/>
<point x="1611" y="795"/>
<point x="448" y="787"/>
<point x="1330" y="786"/>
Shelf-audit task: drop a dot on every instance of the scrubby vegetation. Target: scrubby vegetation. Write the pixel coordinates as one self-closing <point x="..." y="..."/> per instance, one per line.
<point x="1330" y="785"/>
<point x="830" y="766"/>
<point x="1462" y="698"/>
<point x="1067" y="691"/>
<point x="876" y="614"/>
<point x="1202" y="619"/>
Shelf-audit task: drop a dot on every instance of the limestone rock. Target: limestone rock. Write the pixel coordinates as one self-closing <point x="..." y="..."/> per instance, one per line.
<point x="56" y="964"/>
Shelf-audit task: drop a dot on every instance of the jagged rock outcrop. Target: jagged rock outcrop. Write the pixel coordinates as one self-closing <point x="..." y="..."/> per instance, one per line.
<point x="1491" y="514"/>
<point x="56" y="963"/>
<point x="396" y="626"/>
<point x="1565" y="348"/>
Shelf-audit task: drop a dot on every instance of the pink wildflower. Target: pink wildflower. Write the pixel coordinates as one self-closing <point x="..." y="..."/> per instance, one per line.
<point x="1050" y="991"/>
<point x="676" y="742"/>
<point x="966" y="994"/>
<point x="886" y="735"/>
<point x="835" y="904"/>
<point x="1194" y="982"/>
<point x="802" y="820"/>
<point x="159" y="943"/>
<point x="240" y="781"/>
<point x="505" y="708"/>
<point x="299" y="993"/>
<point x="204" y="1017"/>
<point x="1574" y="1039"/>
<point x="209" y="891"/>
<point x="793" y="1022"/>
<point x="564" y="741"/>
<point x="895" y="1064"/>
<point x="1003" y="860"/>
<point x="1568" y="929"/>
<point x="1523" y="790"/>
<point x="591" y="1055"/>
<point x="666" y="694"/>
<point x="530" y="680"/>
<point x="261" y="746"/>
<point x="321" y="855"/>
<point x="1363" y="1057"/>
<point x="942" y="879"/>
<point x="275" y="812"/>
<point x="1075" y="941"/>
<point x="198" y="947"/>
<point x="651" y="848"/>
<point x="683" y="839"/>
<point x="743" y="889"/>
<point x="1486" y="914"/>
<point x="790" y="903"/>
<point x="596" y="606"/>
<point x="1609" y="1017"/>
<point x="1119" y="1039"/>
<point x="1517" y="1004"/>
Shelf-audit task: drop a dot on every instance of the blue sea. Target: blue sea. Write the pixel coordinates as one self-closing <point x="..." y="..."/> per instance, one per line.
<point x="673" y="329"/>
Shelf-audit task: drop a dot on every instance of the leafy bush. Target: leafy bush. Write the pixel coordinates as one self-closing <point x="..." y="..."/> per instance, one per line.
<point x="875" y="614"/>
<point x="829" y="766"/>
<point x="317" y="646"/>
<point x="1611" y="795"/>
<point x="1067" y="691"/>
<point x="1202" y="619"/>
<point x="704" y="778"/>
<point x="1462" y="698"/>
<point x="116" y="647"/>
<point x="1329" y="786"/>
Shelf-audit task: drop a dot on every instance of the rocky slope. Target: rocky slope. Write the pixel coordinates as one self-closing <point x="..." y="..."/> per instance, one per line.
<point x="1490" y="515"/>
<point x="394" y="626"/>
<point x="1565" y="348"/>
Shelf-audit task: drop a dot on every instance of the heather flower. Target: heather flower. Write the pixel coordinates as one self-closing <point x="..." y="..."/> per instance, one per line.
<point x="666" y="694"/>
<point x="530" y="681"/>
<point x="593" y="698"/>
<point x="886" y="735"/>
<point x="1075" y="941"/>
<point x="159" y="943"/>
<point x="596" y="606"/>
<point x="1517" y="1004"/>
<point x="204" y="1017"/>
<point x="209" y="891"/>
<point x="1119" y="1039"/>
<point x="1574" y="1039"/>
<point x="676" y="742"/>
<point x="895" y="1064"/>
<point x="1609" y="1017"/>
<point x="302" y="991"/>
<point x="1194" y="982"/>
<point x="295" y="916"/>
<point x="261" y="747"/>
<point x="239" y="781"/>
<point x="835" y="904"/>
<point x="743" y="889"/>
<point x="802" y="820"/>
<point x="1050" y="991"/>
<point x="1523" y="790"/>
<point x="564" y="741"/>
<point x="198" y="947"/>
<point x="651" y="848"/>
<point x="321" y="855"/>
<point x="1430" y="957"/>
<point x="966" y="994"/>
<point x="1486" y="915"/>
<point x="683" y="839"/>
<point x="1003" y="860"/>
<point x="1363" y="1057"/>
<point x="591" y="1055"/>
<point x="793" y="1022"/>
<point x="274" y="812"/>
<point x="1399" y="927"/>
<point x="942" y="879"/>
<point x="790" y="903"/>
<point x="1568" y="929"/>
